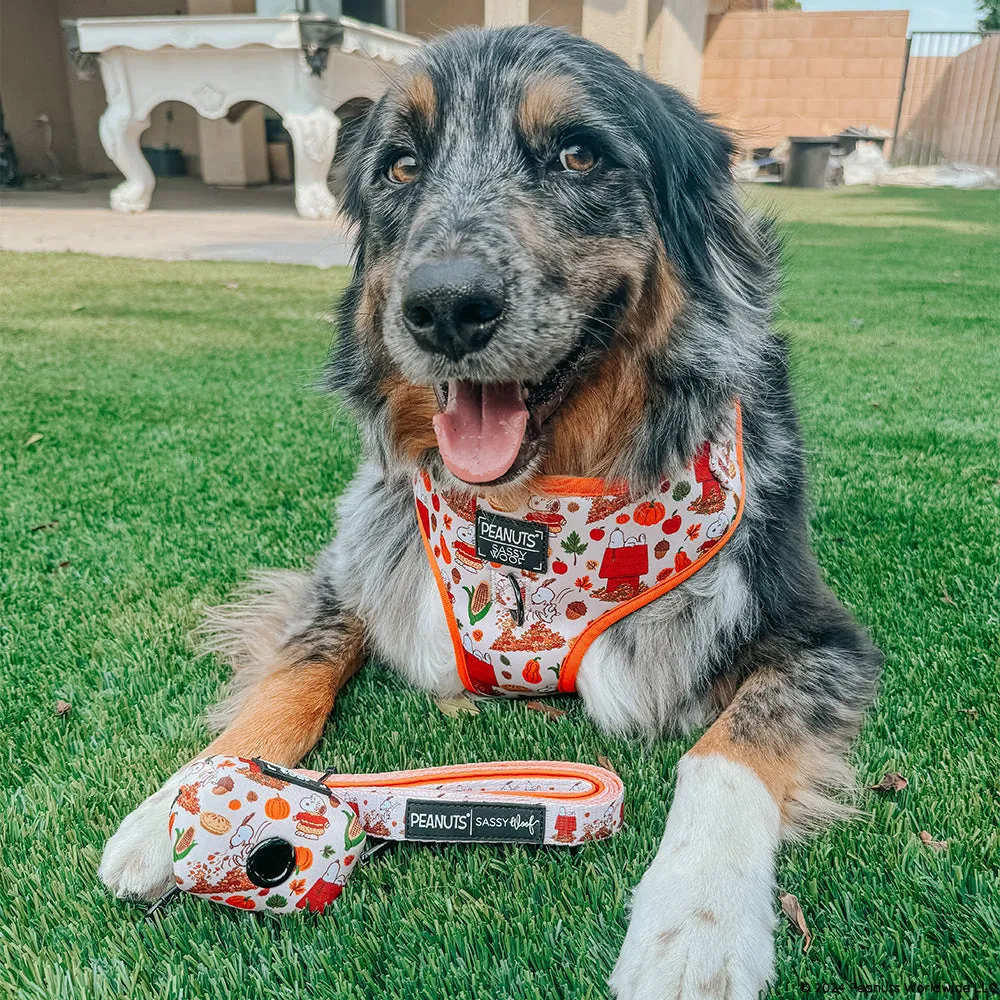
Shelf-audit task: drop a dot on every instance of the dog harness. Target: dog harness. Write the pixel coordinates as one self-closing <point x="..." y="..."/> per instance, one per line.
<point x="527" y="590"/>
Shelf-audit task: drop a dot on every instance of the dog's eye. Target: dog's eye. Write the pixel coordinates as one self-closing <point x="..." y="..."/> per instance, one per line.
<point x="404" y="169"/>
<point x="577" y="157"/>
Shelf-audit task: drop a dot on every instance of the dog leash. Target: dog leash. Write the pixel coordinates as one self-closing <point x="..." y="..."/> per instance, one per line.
<point x="253" y="835"/>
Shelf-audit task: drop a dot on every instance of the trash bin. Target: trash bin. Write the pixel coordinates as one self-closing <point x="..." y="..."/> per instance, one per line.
<point x="808" y="160"/>
<point x="165" y="161"/>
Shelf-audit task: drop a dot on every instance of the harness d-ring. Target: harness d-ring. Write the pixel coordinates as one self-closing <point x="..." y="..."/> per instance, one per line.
<point x="517" y="596"/>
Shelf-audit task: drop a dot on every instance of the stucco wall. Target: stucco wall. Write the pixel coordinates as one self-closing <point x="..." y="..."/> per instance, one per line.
<point x="425" y="18"/>
<point x="33" y="82"/>
<point x="566" y="14"/>
<point x="771" y="75"/>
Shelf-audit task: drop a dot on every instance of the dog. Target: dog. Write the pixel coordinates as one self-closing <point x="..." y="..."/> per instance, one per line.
<point x="555" y="277"/>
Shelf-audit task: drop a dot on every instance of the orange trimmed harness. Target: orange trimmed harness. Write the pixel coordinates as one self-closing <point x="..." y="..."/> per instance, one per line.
<point x="526" y="591"/>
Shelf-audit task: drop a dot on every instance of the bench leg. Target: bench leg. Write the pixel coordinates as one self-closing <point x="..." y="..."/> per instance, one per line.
<point x="314" y="139"/>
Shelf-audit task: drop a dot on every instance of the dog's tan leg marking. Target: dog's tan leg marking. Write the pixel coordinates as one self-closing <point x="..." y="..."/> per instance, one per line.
<point x="284" y="714"/>
<point x="277" y="713"/>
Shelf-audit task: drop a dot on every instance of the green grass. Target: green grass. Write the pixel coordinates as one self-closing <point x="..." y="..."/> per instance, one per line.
<point x="181" y="447"/>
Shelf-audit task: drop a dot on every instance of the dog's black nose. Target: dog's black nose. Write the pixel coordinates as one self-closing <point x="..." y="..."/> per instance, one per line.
<point x="452" y="307"/>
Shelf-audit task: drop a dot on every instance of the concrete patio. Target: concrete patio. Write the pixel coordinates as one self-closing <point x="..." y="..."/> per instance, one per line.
<point x="188" y="220"/>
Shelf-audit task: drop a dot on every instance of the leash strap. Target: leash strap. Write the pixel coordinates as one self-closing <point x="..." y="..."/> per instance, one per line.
<point x="257" y="836"/>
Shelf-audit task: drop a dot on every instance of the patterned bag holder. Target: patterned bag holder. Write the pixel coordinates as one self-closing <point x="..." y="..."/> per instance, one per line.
<point x="256" y="836"/>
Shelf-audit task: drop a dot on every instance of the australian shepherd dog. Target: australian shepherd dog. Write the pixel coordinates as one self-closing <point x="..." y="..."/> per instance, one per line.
<point x="555" y="277"/>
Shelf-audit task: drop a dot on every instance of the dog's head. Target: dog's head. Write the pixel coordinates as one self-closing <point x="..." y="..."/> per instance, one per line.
<point x="533" y="217"/>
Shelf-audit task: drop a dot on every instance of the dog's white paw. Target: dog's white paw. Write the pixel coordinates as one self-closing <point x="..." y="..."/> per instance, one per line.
<point x="703" y="919"/>
<point x="138" y="859"/>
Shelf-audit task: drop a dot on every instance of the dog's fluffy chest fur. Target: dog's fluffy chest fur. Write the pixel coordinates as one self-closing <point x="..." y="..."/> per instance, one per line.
<point x="650" y="671"/>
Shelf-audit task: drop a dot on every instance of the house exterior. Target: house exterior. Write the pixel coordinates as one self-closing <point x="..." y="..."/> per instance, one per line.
<point x="766" y="74"/>
<point x="52" y="115"/>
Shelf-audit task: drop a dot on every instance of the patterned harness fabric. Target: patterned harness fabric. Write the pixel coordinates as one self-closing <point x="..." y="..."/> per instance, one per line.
<point x="525" y="591"/>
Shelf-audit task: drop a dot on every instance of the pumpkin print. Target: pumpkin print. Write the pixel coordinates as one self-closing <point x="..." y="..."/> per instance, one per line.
<point x="650" y="512"/>
<point x="303" y="858"/>
<point x="277" y="808"/>
<point x="532" y="673"/>
<point x="622" y="519"/>
<point x="241" y="902"/>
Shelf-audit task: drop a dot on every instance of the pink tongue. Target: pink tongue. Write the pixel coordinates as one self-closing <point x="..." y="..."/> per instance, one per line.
<point x="480" y="431"/>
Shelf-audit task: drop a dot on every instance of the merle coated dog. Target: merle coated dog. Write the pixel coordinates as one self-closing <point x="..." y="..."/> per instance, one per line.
<point x="555" y="277"/>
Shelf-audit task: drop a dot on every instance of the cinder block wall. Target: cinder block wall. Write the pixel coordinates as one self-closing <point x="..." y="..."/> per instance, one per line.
<point x="773" y="74"/>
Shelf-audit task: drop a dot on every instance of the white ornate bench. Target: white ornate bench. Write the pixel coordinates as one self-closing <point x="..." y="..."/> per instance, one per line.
<point x="302" y="67"/>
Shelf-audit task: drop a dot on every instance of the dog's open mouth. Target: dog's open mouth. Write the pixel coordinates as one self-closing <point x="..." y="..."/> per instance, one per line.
<point x="489" y="430"/>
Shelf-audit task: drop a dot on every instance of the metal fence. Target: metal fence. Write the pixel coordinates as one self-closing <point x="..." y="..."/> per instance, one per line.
<point x="949" y="100"/>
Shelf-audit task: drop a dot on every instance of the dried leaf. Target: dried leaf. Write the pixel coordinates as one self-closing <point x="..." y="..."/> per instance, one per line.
<point x="34" y="439"/>
<point x="46" y="526"/>
<point x="792" y="909"/>
<point x="63" y="564"/>
<point x="454" y="707"/>
<point x="946" y="599"/>
<point x="929" y="841"/>
<point x="77" y="307"/>
<point x="62" y="707"/>
<point x="972" y="713"/>
<point x="605" y="763"/>
<point x="550" y="710"/>
<point x="892" y="781"/>
<point x="233" y="286"/>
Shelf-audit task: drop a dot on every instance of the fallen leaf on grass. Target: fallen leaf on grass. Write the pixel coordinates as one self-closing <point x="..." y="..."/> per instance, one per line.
<point x="62" y="707"/>
<point x="46" y="526"/>
<point x="892" y="781"/>
<point x="455" y="706"/>
<point x="792" y="909"/>
<point x="946" y="599"/>
<point x="34" y="439"/>
<point x="233" y="286"/>
<point x="605" y="763"/>
<point x="929" y="841"/>
<point x="972" y="713"/>
<point x="63" y="564"/>
<point x="77" y="307"/>
<point x="550" y="710"/>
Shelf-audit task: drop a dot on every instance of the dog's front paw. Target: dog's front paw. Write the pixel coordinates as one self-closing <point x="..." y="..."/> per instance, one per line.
<point x="138" y="860"/>
<point x="703" y="917"/>
<point x="694" y="946"/>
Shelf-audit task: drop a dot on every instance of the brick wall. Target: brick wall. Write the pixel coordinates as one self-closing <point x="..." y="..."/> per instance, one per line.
<point x="771" y="75"/>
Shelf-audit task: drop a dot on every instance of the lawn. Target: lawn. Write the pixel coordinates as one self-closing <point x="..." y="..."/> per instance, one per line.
<point x="159" y="439"/>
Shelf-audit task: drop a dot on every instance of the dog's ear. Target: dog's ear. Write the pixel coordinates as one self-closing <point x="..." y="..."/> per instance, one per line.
<point x="353" y="115"/>
<point x="704" y="227"/>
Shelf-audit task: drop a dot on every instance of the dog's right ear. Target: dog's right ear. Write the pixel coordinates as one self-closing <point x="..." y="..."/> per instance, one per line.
<point x="353" y="115"/>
